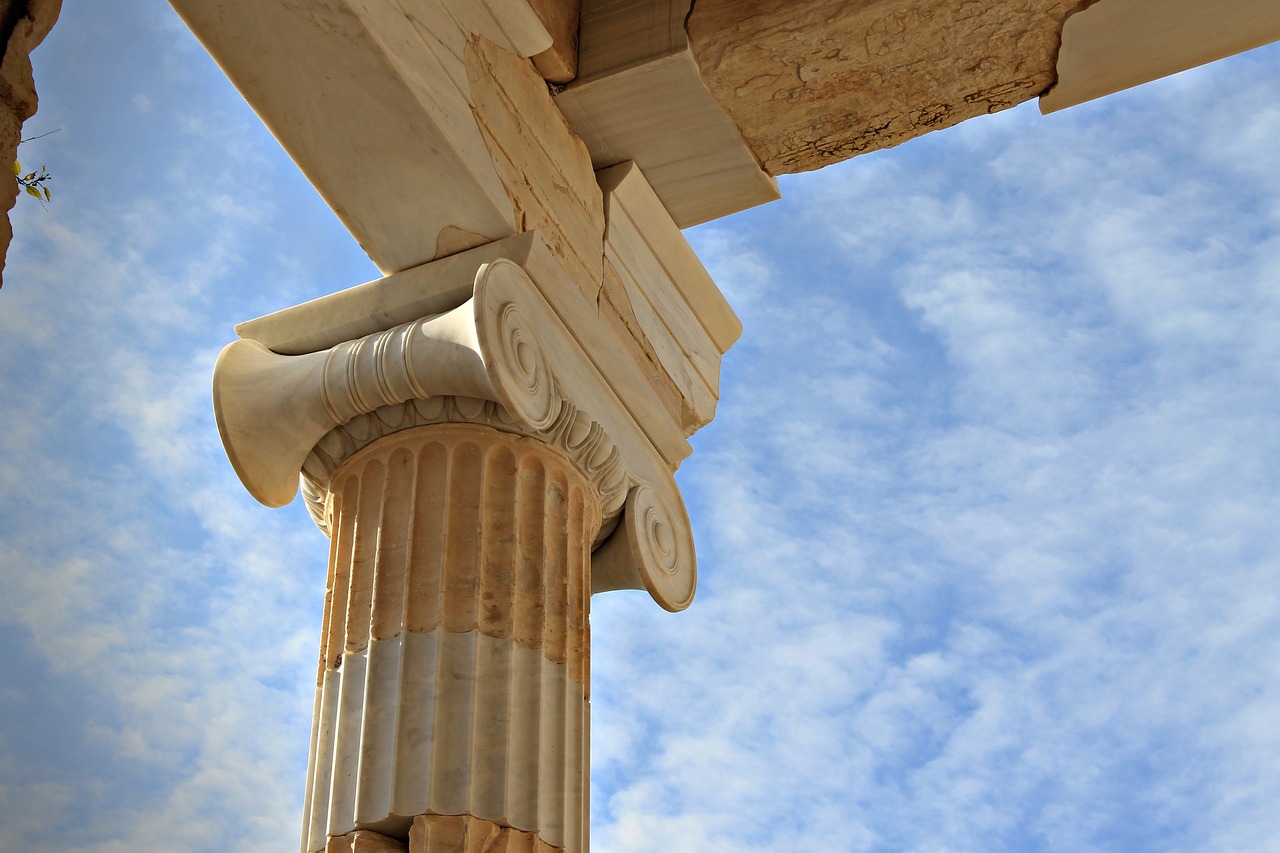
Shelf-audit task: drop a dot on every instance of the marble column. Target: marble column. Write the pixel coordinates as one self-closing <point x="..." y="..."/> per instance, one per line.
<point x="480" y="472"/>
<point x="454" y="665"/>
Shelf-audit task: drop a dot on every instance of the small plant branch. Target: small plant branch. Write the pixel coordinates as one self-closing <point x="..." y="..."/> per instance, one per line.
<point x="40" y="136"/>
<point x="35" y="183"/>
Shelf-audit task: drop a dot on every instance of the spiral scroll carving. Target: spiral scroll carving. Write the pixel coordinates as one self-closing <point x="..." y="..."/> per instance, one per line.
<point x="521" y="368"/>
<point x="657" y="539"/>
<point x="662" y="545"/>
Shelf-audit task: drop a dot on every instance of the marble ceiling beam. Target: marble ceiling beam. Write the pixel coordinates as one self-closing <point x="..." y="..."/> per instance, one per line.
<point x="1117" y="44"/>
<point x="640" y="97"/>
<point x="370" y="98"/>
<point x="816" y="82"/>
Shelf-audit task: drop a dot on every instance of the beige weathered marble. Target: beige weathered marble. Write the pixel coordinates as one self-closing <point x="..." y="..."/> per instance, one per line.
<point x="682" y="318"/>
<point x="558" y="63"/>
<point x="819" y="81"/>
<point x="639" y="96"/>
<point x="370" y="98"/>
<point x="816" y="82"/>
<point x="1117" y="44"/>
<point x="544" y="167"/>
<point x="454" y="665"/>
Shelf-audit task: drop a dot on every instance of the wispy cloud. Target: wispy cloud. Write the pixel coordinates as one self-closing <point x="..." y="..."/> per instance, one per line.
<point x="166" y="625"/>
<point x="985" y="522"/>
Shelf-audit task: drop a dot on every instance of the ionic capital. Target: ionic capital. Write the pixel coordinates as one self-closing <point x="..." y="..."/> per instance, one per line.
<point x="502" y="357"/>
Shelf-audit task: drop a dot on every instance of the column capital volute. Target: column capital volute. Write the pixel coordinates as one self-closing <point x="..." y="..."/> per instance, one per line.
<point x="290" y="400"/>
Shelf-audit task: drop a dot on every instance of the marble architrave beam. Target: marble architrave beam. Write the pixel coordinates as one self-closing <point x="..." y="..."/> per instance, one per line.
<point x="639" y="96"/>
<point x="1117" y="44"/>
<point x="370" y="99"/>
<point x="814" y="82"/>
<point x="711" y="98"/>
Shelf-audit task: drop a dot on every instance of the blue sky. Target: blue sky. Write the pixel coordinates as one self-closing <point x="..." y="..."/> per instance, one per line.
<point x="986" y="521"/>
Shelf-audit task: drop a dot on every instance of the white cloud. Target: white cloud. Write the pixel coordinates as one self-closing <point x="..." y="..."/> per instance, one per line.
<point x="165" y="678"/>
<point x="1021" y="600"/>
<point x="985" y="522"/>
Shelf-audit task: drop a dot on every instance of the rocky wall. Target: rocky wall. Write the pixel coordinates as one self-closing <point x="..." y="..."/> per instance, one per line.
<point x="23" y="25"/>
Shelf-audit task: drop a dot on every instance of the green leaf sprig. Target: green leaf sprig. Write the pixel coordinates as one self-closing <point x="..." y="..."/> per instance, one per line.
<point x="35" y="183"/>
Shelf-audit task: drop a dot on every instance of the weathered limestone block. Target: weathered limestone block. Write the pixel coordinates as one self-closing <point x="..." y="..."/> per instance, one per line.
<point x="820" y="81"/>
<point x="640" y="97"/>
<point x="23" y="25"/>
<point x="370" y="98"/>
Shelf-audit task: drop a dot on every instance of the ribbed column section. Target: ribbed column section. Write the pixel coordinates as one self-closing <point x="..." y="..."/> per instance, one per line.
<point x="454" y="659"/>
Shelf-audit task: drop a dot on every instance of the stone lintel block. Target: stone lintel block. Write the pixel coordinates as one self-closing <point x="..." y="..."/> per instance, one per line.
<point x="370" y="98"/>
<point x="682" y="316"/>
<point x="1116" y="44"/>
<point x="820" y="81"/>
<point x="639" y="96"/>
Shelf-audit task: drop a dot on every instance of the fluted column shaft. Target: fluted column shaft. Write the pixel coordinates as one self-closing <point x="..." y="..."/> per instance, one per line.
<point x="454" y="659"/>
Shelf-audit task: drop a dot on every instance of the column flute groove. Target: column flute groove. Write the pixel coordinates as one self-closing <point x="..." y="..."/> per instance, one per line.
<point x="454" y="668"/>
